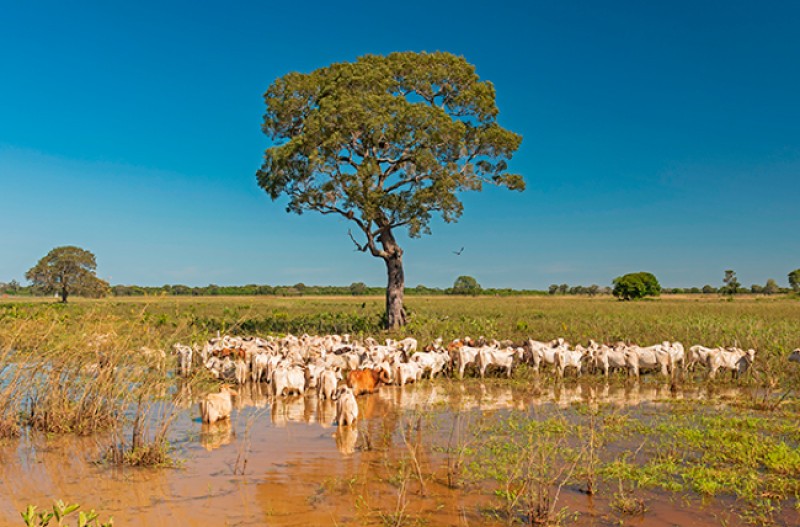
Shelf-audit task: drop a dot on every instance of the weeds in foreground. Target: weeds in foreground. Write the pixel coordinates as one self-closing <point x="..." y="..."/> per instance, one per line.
<point x="626" y="503"/>
<point x="59" y="512"/>
<point x="531" y="462"/>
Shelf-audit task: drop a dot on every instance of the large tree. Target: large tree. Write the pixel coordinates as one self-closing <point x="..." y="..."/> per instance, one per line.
<point x="636" y="285"/>
<point x="67" y="270"/>
<point x="794" y="280"/>
<point x="385" y="142"/>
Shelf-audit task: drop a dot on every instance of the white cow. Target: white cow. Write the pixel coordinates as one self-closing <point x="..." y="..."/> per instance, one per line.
<point x="464" y="356"/>
<point x="734" y="359"/>
<point x="328" y="380"/>
<point x="217" y="406"/>
<point x="699" y="355"/>
<point x="184" y="354"/>
<point x="432" y="361"/>
<point x="649" y="358"/>
<point x="544" y="352"/>
<point x="259" y="363"/>
<point x="288" y="379"/>
<point x="407" y="372"/>
<point x="346" y="406"/>
<point x="677" y="354"/>
<point x="313" y="370"/>
<point x="242" y="371"/>
<point x="567" y="358"/>
<point x="607" y="358"/>
<point x="490" y="356"/>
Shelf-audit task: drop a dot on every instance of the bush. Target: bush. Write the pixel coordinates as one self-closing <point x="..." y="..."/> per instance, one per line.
<point x="636" y="285"/>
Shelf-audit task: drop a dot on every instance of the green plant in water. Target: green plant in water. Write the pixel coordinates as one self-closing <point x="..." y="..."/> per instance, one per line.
<point x="58" y="513"/>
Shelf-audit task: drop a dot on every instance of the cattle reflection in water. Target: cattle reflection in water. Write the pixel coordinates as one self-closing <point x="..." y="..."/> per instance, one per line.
<point x="326" y="412"/>
<point x="382" y="410"/>
<point x="346" y="439"/>
<point x="215" y="435"/>
<point x="295" y="409"/>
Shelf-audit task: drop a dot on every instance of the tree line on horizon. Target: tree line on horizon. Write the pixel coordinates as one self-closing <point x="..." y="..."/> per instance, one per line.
<point x="464" y="285"/>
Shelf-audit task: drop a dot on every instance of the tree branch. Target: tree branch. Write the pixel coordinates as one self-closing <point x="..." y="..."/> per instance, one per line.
<point x="364" y="226"/>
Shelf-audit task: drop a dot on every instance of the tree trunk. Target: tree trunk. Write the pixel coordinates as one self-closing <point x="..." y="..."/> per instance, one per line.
<point x="395" y="287"/>
<point x="64" y="294"/>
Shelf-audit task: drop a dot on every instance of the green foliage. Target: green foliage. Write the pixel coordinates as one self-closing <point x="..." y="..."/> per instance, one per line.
<point x="794" y="280"/>
<point x="466" y="285"/>
<point x="59" y="512"/>
<point x="68" y="270"/>
<point x="732" y="285"/>
<point x="636" y="285"/>
<point x="385" y="141"/>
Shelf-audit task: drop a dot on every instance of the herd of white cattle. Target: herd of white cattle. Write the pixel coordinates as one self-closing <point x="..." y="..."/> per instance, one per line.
<point x="297" y="365"/>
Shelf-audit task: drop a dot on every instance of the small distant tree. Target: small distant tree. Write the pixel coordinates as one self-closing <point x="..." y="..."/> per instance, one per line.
<point x="757" y="289"/>
<point x="794" y="280"/>
<point x="553" y="289"/>
<point x="10" y="288"/>
<point x="358" y="288"/>
<point x="732" y="285"/>
<point x="709" y="289"/>
<point x="771" y="287"/>
<point x="593" y="289"/>
<point x="68" y="270"/>
<point x="563" y="289"/>
<point x="636" y="285"/>
<point x="466" y="285"/>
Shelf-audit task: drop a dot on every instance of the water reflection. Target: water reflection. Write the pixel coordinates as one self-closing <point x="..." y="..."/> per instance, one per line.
<point x="215" y="435"/>
<point x="346" y="439"/>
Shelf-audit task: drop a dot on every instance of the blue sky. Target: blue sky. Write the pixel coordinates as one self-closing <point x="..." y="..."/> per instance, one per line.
<point x="659" y="138"/>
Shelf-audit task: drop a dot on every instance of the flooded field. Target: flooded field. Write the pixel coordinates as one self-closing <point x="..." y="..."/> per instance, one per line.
<point x="528" y="450"/>
<point x="419" y="455"/>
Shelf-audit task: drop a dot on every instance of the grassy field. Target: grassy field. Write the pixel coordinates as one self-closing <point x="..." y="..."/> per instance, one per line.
<point x="770" y="325"/>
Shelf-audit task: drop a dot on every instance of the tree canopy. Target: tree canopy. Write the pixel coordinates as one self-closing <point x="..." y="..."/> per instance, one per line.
<point x="794" y="280"/>
<point x="732" y="284"/>
<point x="466" y="285"/>
<point x="385" y="142"/>
<point x="636" y="285"/>
<point x="68" y="270"/>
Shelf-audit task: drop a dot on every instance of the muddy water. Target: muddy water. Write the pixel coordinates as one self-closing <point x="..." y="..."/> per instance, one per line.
<point x="281" y="462"/>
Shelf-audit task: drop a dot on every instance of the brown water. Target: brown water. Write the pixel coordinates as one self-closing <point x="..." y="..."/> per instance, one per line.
<point x="282" y="463"/>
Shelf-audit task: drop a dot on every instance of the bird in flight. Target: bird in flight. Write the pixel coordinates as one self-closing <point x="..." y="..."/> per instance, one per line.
<point x="458" y="252"/>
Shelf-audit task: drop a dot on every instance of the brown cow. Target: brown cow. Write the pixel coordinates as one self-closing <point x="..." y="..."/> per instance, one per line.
<point x="366" y="381"/>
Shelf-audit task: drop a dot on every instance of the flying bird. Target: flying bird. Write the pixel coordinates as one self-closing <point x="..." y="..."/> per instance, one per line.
<point x="458" y="252"/>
